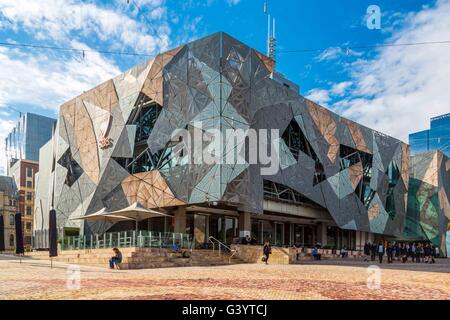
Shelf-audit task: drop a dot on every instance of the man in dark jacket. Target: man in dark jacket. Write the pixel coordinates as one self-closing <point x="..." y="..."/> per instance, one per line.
<point x="267" y="250"/>
<point x="390" y="252"/>
<point x="380" y="250"/>
<point x="373" y="251"/>
<point x="366" y="251"/>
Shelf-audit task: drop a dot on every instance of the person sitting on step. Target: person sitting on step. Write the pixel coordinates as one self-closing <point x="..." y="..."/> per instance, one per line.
<point x="114" y="261"/>
<point x="315" y="253"/>
<point x="176" y="248"/>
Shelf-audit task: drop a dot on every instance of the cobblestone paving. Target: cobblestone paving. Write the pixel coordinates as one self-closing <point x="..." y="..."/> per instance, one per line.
<point x="33" y="279"/>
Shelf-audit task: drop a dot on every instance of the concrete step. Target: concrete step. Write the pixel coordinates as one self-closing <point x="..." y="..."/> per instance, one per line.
<point x="139" y="258"/>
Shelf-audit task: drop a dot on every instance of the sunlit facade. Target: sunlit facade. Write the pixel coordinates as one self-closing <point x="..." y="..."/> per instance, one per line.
<point x="337" y="183"/>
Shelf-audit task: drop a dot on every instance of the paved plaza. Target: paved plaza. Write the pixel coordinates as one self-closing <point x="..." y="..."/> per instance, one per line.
<point x="34" y="279"/>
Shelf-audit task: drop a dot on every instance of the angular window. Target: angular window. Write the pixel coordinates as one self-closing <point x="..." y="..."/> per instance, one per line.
<point x="74" y="171"/>
<point x="393" y="175"/>
<point x="144" y="116"/>
<point x="29" y="172"/>
<point x="296" y="141"/>
<point x="349" y="157"/>
<point x="12" y="221"/>
<point x="29" y="184"/>
<point x="280" y="192"/>
<point x="28" y="210"/>
<point x="29" y="196"/>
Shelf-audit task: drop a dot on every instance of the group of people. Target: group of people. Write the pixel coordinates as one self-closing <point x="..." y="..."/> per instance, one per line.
<point x="248" y="240"/>
<point x="418" y="252"/>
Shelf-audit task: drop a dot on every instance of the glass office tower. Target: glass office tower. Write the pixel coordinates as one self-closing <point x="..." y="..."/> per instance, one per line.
<point x="28" y="136"/>
<point x="436" y="138"/>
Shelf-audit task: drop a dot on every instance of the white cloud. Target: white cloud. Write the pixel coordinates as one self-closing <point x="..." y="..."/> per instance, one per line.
<point x="340" y="88"/>
<point x="398" y="91"/>
<point x="60" y="19"/>
<point x="329" y="54"/>
<point x="46" y="79"/>
<point x="319" y="96"/>
<point x="49" y="81"/>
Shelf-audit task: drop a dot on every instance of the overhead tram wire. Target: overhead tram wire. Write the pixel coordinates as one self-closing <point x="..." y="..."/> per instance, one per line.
<point x="367" y="46"/>
<point x="382" y="45"/>
<point x="125" y="53"/>
<point x="82" y="51"/>
<point x="69" y="49"/>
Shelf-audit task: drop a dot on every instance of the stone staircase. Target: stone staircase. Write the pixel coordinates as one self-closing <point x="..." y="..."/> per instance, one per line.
<point x="139" y="258"/>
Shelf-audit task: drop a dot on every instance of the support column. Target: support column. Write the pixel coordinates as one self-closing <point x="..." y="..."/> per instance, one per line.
<point x="321" y="234"/>
<point x="359" y="240"/>
<point x="180" y="220"/>
<point x="245" y="224"/>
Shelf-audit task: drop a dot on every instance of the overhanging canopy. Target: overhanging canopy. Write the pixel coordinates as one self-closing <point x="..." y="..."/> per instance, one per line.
<point x="104" y="216"/>
<point x="137" y="212"/>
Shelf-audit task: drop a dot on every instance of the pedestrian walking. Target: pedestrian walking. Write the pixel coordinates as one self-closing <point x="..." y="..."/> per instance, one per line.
<point x="267" y="250"/>
<point x="390" y="252"/>
<point x="418" y="252"/>
<point x="367" y="251"/>
<point x="373" y="251"/>
<point x="380" y="251"/>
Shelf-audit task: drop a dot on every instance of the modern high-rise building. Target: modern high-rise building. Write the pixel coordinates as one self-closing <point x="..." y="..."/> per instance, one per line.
<point x="22" y="152"/>
<point x="8" y="209"/>
<point x="316" y="178"/>
<point x="435" y="138"/>
<point x="31" y="132"/>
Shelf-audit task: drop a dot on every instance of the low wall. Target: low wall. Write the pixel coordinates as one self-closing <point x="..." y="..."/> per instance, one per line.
<point x="253" y="254"/>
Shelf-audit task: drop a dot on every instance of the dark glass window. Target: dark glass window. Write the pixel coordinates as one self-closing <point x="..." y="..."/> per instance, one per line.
<point x="11" y="220"/>
<point x="74" y="170"/>
<point x="29" y="184"/>
<point x="29" y="172"/>
<point x="29" y="196"/>
<point x="256" y="231"/>
<point x="216" y="228"/>
<point x="280" y="192"/>
<point x="349" y="157"/>
<point x="296" y="141"/>
<point x="231" y="229"/>
<point x="28" y="225"/>
<point x="11" y="240"/>
<point x="393" y="175"/>
<point x="144" y="116"/>
<point x="27" y="240"/>
<point x="28" y="210"/>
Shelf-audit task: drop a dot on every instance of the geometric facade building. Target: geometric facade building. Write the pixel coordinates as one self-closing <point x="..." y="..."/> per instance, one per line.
<point x="428" y="214"/>
<point x="114" y="145"/>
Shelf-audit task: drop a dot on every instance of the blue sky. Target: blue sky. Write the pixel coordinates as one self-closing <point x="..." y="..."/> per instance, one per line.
<point x="392" y="89"/>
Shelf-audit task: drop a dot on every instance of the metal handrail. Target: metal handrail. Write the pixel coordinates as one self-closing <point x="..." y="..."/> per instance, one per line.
<point x="220" y="243"/>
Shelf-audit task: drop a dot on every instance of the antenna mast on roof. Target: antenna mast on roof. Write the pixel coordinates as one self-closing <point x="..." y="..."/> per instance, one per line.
<point x="271" y="38"/>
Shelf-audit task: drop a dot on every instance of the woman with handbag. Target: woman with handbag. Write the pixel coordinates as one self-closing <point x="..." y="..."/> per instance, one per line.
<point x="267" y="250"/>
